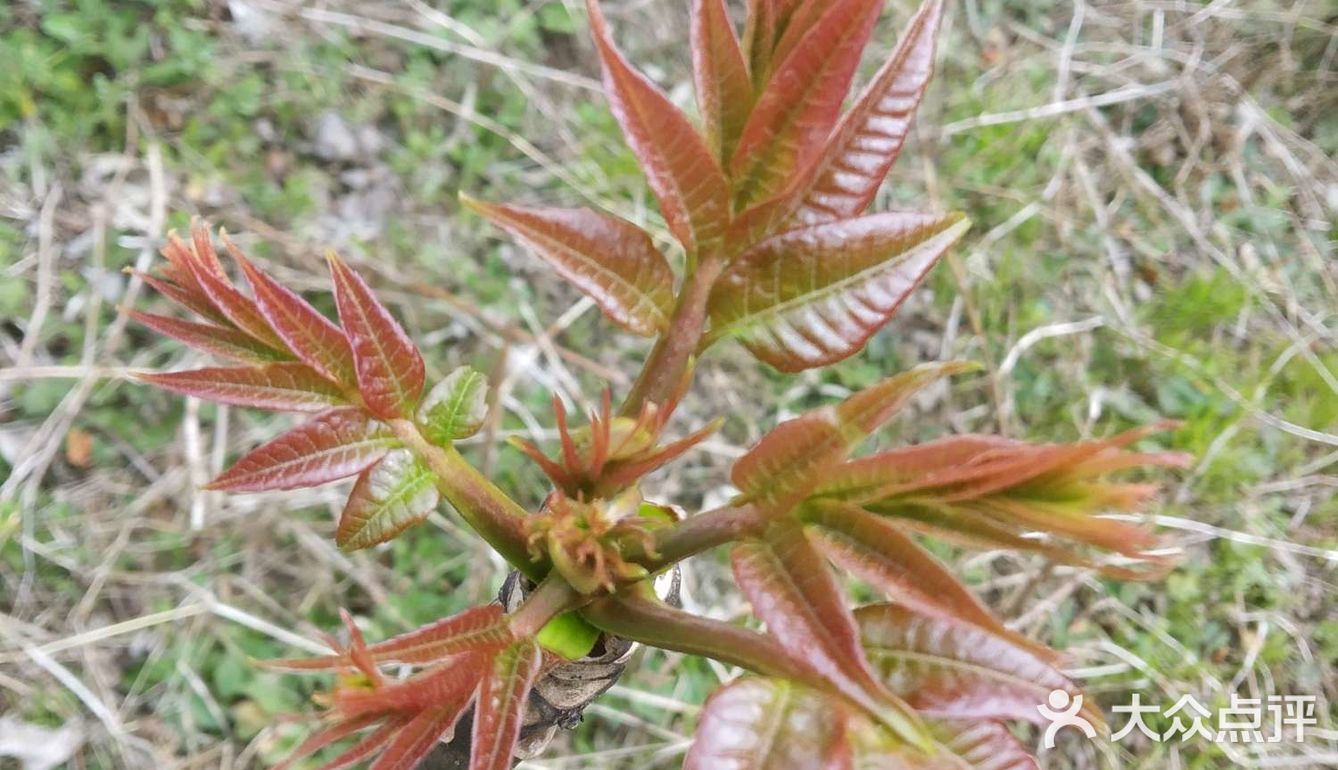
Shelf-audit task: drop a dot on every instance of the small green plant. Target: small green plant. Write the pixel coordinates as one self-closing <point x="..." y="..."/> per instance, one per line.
<point x="768" y="202"/>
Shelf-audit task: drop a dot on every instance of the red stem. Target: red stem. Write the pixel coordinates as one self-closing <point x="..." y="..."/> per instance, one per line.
<point x="652" y="622"/>
<point x="669" y="360"/>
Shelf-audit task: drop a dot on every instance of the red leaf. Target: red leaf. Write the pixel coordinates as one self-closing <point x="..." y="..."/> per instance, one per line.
<point x="610" y="259"/>
<point x="857" y="157"/>
<point x="759" y="38"/>
<point x="500" y="706"/>
<point x="449" y="684"/>
<point x="312" y="337"/>
<point x="795" y="19"/>
<point x="366" y="747"/>
<point x="814" y="296"/>
<point x="792" y="460"/>
<point x="801" y="101"/>
<point x="389" y="367"/>
<point x="237" y="307"/>
<point x="282" y="387"/>
<point x="954" y="670"/>
<point x="724" y="91"/>
<point x="330" y="735"/>
<point x="983" y="745"/>
<point x="782" y="468"/>
<point x="477" y="629"/>
<point x="794" y="592"/>
<point x="391" y="496"/>
<point x="769" y="724"/>
<point x="332" y="446"/>
<point x="680" y="168"/>
<point x="187" y="298"/>
<point x="216" y="340"/>
<point x="416" y="739"/>
<point x="879" y="553"/>
<point x="996" y="489"/>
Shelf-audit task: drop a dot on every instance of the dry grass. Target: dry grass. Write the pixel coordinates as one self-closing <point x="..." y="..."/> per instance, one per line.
<point x="1154" y="191"/>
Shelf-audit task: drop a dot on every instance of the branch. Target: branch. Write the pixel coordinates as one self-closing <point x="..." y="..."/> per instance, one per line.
<point x="488" y="510"/>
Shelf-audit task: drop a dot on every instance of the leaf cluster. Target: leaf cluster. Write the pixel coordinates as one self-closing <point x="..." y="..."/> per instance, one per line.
<point x="767" y="197"/>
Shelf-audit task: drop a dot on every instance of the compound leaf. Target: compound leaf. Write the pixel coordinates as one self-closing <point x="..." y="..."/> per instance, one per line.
<point x="954" y="670"/>
<point x="455" y="407"/>
<point x="331" y="446"/>
<point x="794" y="592"/>
<point x="679" y="166"/>
<point x="724" y="91"/>
<point x="801" y="101"/>
<point x="215" y="340"/>
<point x="846" y="175"/>
<point x="794" y="458"/>
<point x="389" y="368"/>
<point x="610" y="259"/>
<point x="878" y="552"/>
<point x="391" y="496"/>
<point x="814" y="296"/>
<point x="501" y="705"/>
<point x="281" y="387"/>
<point x="312" y="337"/>
<point x="769" y="724"/>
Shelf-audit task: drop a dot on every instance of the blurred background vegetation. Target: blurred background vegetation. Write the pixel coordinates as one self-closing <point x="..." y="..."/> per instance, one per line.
<point x="1153" y="184"/>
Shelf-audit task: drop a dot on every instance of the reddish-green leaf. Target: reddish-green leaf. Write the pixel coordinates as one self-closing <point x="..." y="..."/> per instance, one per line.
<point x="391" y="496"/>
<point x="331" y="446"/>
<point x="795" y="19"/>
<point x="477" y="629"/>
<point x="215" y="340"/>
<point x="814" y="296"/>
<point x="790" y="461"/>
<point x="679" y="166"/>
<point x="238" y="308"/>
<point x="282" y="387"/>
<point x="610" y="259"/>
<point x="782" y="468"/>
<point x="501" y="705"/>
<point x="312" y="337"/>
<point x="983" y="745"/>
<point x="416" y="739"/>
<point x="330" y="735"/>
<point x="364" y="748"/>
<point x="389" y="367"/>
<point x="769" y="724"/>
<point x="188" y="298"/>
<point x="994" y="490"/>
<point x="794" y="592"/>
<point x="878" y="552"/>
<point x="801" y="101"/>
<point x="954" y="670"/>
<point x="724" y="91"/>
<point x="759" y="38"/>
<point x="847" y="174"/>
<point x="455" y="407"/>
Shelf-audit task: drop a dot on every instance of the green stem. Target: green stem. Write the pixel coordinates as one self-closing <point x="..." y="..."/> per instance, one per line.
<point x="488" y="510"/>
